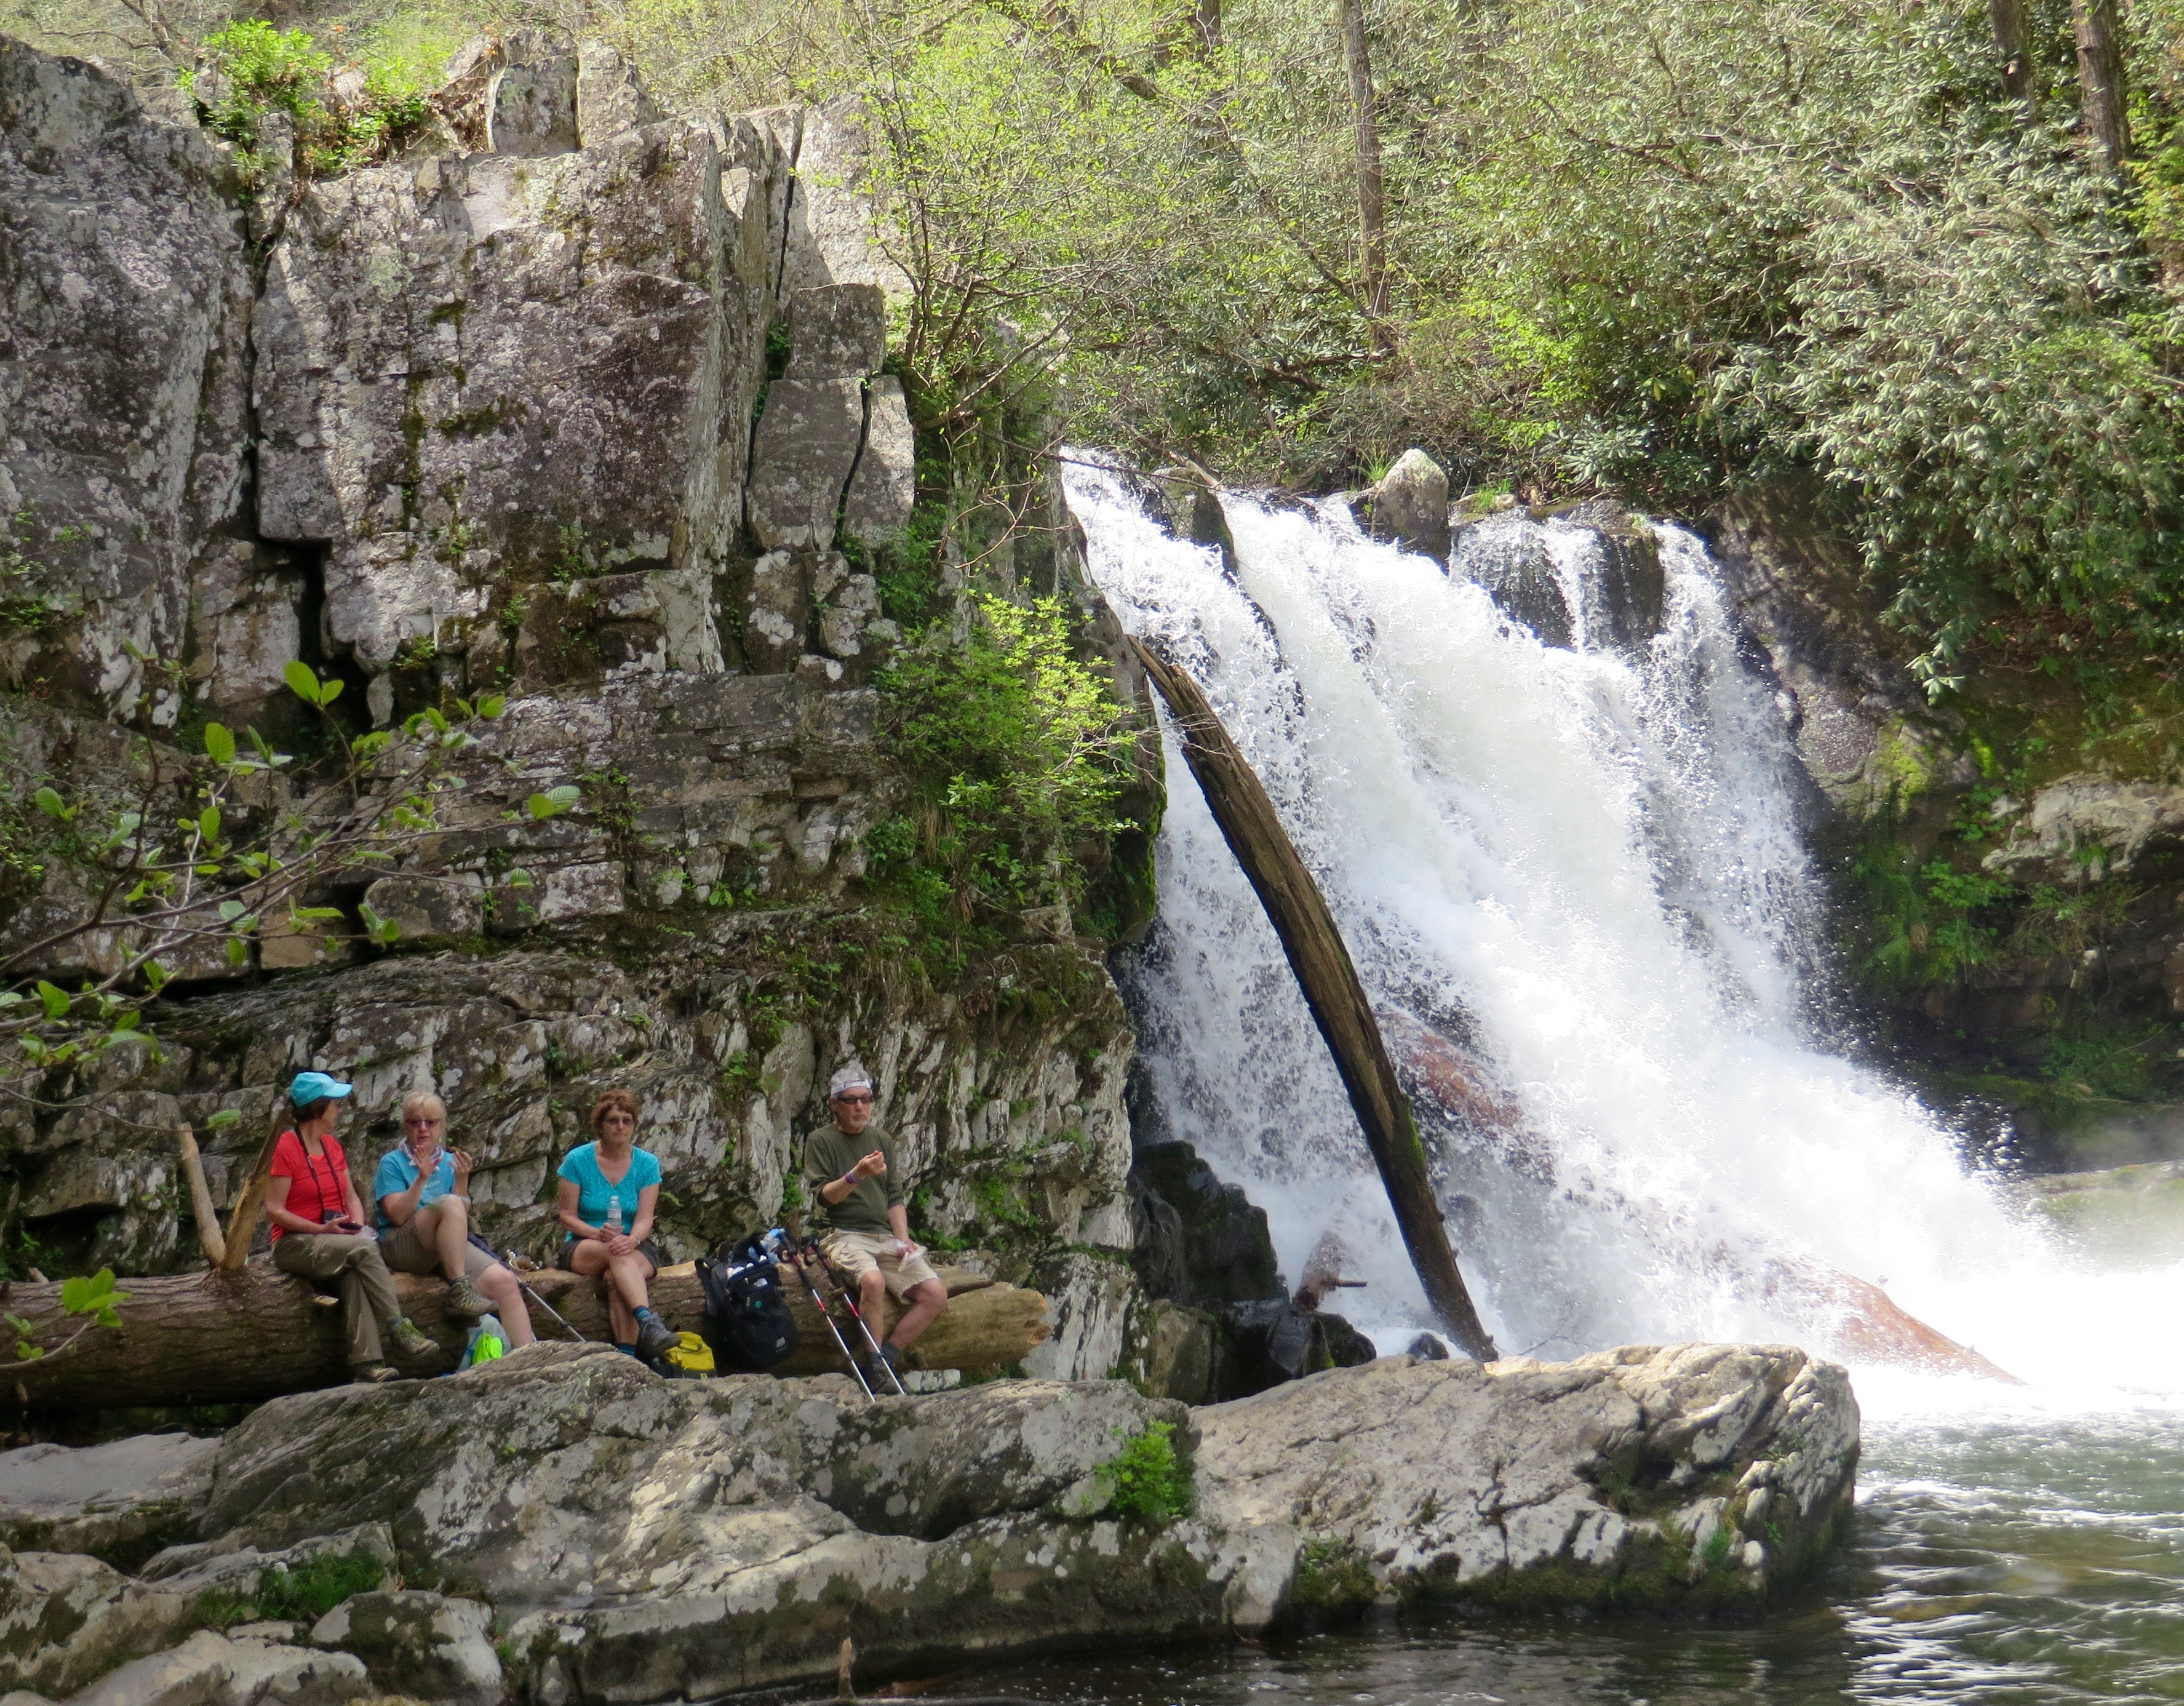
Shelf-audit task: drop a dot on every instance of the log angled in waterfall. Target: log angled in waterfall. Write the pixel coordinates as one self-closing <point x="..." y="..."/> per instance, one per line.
<point x="1331" y="988"/>
<point x="216" y="1338"/>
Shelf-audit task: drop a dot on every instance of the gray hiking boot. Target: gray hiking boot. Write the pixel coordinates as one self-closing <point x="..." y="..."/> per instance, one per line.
<point x="655" y="1337"/>
<point x="466" y="1299"/>
<point x="405" y="1341"/>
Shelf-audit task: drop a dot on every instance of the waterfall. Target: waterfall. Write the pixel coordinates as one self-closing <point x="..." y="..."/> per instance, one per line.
<point x="1582" y="864"/>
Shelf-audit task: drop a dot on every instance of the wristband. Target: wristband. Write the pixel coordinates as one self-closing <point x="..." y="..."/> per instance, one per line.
<point x="850" y="1179"/>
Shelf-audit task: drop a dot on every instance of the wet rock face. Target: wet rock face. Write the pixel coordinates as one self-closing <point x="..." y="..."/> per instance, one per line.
<point x="1587" y="577"/>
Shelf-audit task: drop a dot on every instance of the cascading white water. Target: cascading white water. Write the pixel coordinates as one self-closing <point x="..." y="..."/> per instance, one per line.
<point x="1583" y="864"/>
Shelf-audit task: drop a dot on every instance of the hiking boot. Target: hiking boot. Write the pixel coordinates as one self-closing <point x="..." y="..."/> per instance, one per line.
<point x="406" y="1339"/>
<point x="371" y="1374"/>
<point x="655" y="1337"/>
<point x="466" y="1299"/>
<point x="891" y="1354"/>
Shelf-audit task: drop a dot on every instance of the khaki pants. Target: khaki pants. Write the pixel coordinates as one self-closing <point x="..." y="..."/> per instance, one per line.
<point x="352" y="1261"/>
<point x="856" y="1253"/>
<point x="405" y="1252"/>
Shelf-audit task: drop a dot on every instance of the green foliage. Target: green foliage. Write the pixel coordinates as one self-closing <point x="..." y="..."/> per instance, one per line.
<point x="302" y="1595"/>
<point x="263" y="71"/>
<point x="94" y="1298"/>
<point x="1150" y="1483"/>
<point x="1924" y="921"/>
<point x="29" y="605"/>
<point x="1016" y="753"/>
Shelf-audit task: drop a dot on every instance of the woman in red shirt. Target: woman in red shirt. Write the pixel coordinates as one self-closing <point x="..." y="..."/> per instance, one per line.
<point x="319" y="1231"/>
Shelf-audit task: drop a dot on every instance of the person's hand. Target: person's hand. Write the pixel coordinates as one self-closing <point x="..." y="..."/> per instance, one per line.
<point x="872" y="1166"/>
<point x="904" y="1250"/>
<point x="620" y="1244"/>
<point x="463" y="1166"/>
<point x="346" y="1224"/>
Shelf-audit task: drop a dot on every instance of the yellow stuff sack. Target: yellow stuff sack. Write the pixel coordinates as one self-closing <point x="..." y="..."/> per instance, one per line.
<point x="691" y="1354"/>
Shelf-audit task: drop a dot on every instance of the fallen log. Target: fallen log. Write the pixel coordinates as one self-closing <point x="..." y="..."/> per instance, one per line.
<point x="1324" y="971"/>
<point x="216" y="1338"/>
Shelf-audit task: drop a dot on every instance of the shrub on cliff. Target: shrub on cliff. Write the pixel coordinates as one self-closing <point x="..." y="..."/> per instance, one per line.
<point x="1016" y="753"/>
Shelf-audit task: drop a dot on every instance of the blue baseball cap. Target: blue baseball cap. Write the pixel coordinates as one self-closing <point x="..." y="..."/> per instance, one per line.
<point x="313" y="1086"/>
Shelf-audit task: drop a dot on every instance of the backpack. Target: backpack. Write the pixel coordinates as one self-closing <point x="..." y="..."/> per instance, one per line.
<point x="747" y="1323"/>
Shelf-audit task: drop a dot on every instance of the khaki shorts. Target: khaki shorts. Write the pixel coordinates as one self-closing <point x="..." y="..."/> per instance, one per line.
<point x="856" y="1253"/>
<point x="402" y="1250"/>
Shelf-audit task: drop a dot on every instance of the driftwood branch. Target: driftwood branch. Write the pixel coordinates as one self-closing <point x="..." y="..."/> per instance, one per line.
<point x="209" y="1238"/>
<point x="1331" y="989"/>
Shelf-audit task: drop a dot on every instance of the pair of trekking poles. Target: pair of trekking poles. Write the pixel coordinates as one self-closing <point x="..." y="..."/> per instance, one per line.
<point x="801" y="1257"/>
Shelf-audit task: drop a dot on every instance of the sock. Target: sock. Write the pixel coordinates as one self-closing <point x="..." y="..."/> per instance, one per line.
<point x="646" y="1314"/>
<point x="626" y="1350"/>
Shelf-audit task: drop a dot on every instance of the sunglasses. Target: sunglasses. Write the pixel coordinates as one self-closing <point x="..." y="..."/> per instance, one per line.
<point x="855" y="1101"/>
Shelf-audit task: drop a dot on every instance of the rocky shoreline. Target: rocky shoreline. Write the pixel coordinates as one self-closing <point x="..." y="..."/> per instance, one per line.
<point x="563" y="1527"/>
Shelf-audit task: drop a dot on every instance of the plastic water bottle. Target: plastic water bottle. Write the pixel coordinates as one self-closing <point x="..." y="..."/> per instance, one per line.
<point x="614" y="1214"/>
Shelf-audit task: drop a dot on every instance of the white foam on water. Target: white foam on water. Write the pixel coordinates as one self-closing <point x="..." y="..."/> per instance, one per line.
<point x="1587" y="866"/>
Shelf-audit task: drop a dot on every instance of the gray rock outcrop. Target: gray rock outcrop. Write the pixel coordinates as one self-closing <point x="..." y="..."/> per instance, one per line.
<point x="569" y="1527"/>
<point x="500" y="397"/>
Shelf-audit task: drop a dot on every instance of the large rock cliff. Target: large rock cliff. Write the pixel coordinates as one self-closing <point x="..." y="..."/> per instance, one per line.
<point x="574" y="404"/>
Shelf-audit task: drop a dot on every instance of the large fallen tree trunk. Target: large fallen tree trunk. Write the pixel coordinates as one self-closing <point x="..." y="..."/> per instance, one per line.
<point x="214" y="1338"/>
<point x="1331" y="989"/>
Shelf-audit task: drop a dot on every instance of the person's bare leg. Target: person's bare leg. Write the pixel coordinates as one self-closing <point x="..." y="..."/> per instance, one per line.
<point x="927" y="1299"/>
<point x="451" y="1235"/>
<point x="590" y="1259"/>
<point x="872" y="1301"/>
<point x="499" y="1285"/>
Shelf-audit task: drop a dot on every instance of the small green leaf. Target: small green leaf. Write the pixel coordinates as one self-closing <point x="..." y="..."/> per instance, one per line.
<point x="55" y="999"/>
<point x="329" y="691"/>
<point x="491" y="705"/>
<point x="52" y="804"/>
<point x="220" y="745"/>
<point x="126" y="1022"/>
<point x="313" y="915"/>
<point x="516" y="878"/>
<point x="208" y="823"/>
<point x="304" y="682"/>
<point x="29" y="1353"/>
<point x="156" y="976"/>
<point x="539" y="806"/>
<point x="229" y="911"/>
<point x="238" y="951"/>
<point x="223" y="1119"/>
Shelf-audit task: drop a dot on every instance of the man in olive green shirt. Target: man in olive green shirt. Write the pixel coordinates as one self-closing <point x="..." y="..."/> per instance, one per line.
<point x="856" y="1197"/>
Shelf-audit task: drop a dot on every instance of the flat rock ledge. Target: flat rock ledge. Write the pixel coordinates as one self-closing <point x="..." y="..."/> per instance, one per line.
<point x="562" y="1527"/>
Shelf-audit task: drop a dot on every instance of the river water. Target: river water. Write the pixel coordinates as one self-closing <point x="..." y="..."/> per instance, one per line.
<point x="1583" y="866"/>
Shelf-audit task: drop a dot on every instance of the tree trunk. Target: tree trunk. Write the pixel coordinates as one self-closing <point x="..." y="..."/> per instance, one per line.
<point x="213" y="1338"/>
<point x="1372" y="199"/>
<point x="2008" y="17"/>
<point x="1331" y="988"/>
<point x="2103" y="83"/>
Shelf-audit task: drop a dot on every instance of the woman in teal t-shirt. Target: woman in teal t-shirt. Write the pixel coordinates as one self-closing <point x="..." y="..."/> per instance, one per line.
<point x="609" y="1192"/>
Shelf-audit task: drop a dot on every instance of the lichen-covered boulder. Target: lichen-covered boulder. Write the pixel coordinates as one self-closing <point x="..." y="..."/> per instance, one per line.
<point x="1692" y="1477"/>
<point x="500" y="368"/>
<point x="120" y="1502"/>
<point x="422" y="1645"/>
<point x="124" y="304"/>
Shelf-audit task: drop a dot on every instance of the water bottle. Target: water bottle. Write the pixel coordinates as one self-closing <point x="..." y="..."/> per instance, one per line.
<point x="614" y="1214"/>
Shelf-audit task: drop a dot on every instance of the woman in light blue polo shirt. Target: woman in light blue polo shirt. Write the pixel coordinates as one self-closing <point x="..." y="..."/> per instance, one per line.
<point x="609" y="1192"/>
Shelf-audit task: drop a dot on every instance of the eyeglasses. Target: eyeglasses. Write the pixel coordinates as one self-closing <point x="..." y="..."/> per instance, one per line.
<point x="856" y="1100"/>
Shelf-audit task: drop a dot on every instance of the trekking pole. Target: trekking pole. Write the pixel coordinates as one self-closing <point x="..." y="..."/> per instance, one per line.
<point x="510" y="1264"/>
<point x="849" y="1302"/>
<point x="826" y="1315"/>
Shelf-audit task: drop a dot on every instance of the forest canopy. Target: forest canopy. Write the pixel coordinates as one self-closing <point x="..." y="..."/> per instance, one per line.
<point x="1926" y="259"/>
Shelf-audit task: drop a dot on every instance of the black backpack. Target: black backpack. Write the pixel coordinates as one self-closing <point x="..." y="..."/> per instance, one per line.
<point x="747" y="1323"/>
